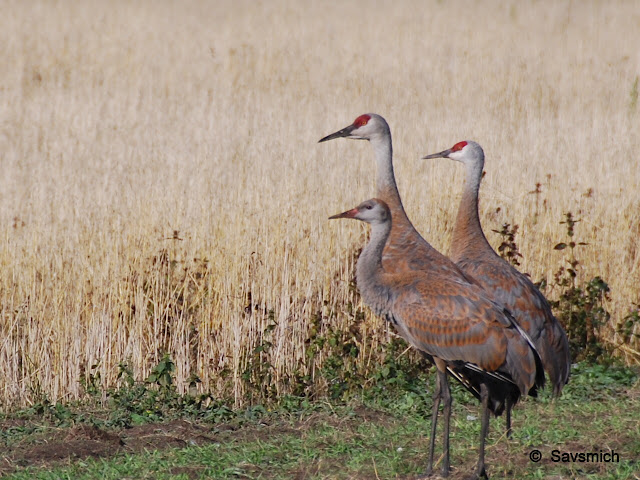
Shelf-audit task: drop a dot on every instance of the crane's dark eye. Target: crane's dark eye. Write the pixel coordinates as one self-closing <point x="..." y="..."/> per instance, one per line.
<point x="369" y="207"/>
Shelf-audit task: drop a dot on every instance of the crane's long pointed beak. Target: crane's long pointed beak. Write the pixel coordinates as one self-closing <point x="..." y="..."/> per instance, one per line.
<point x="345" y="132"/>
<point x="348" y="214"/>
<point x="442" y="154"/>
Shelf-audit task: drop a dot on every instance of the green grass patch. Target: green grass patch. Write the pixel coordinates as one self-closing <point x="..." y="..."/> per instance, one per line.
<point x="381" y="433"/>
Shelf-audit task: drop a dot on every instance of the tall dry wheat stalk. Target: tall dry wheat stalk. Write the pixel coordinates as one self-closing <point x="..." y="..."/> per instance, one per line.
<point x="162" y="190"/>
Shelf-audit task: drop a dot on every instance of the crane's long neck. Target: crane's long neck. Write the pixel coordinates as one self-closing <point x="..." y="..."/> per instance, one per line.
<point x="467" y="233"/>
<point x="369" y="269"/>
<point x="386" y="180"/>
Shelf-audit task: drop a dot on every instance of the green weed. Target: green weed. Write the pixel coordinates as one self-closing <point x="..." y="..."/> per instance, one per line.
<point x="580" y="307"/>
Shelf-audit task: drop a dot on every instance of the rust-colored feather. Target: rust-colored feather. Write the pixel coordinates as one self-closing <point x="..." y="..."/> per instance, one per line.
<point x="454" y="321"/>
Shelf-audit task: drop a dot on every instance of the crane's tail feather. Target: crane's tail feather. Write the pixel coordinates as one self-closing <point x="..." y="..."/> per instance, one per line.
<point x="539" y="378"/>
<point x="499" y="385"/>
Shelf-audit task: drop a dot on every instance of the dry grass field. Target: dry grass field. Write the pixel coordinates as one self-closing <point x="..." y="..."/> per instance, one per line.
<point x="162" y="189"/>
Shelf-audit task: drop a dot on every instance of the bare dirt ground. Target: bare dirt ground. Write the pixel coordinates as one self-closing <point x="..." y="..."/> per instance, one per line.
<point x="54" y="447"/>
<point x="60" y="446"/>
<point x="57" y="447"/>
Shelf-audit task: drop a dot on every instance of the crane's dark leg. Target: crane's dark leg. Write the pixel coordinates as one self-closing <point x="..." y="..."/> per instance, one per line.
<point x="446" y="413"/>
<point x="484" y="429"/>
<point x="434" y="421"/>
<point x="508" y="406"/>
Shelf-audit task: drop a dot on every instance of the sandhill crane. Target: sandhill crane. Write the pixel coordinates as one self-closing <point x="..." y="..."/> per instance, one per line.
<point x="451" y="322"/>
<point x="471" y="251"/>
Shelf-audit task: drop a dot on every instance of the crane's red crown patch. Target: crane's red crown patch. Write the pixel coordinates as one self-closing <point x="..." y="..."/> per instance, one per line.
<point x="458" y="146"/>
<point x="362" y="120"/>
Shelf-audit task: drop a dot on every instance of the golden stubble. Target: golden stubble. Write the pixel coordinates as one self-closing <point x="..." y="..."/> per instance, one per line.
<point x="163" y="191"/>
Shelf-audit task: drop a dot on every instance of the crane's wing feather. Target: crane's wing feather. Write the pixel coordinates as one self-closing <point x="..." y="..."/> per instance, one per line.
<point x="454" y="321"/>
<point x="532" y="312"/>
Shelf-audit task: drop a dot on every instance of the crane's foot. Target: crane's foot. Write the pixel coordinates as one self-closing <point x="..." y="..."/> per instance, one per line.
<point x="478" y="474"/>
<point x="509" y="430"/>
<point x="430" y="474"/>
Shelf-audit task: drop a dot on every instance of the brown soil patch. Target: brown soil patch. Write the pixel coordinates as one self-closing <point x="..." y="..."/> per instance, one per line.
<point x="60" y="446"/>
<point x="53" y="447"/>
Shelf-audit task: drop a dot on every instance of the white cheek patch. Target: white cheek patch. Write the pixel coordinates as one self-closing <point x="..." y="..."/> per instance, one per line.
<point x="457" y="155"/>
